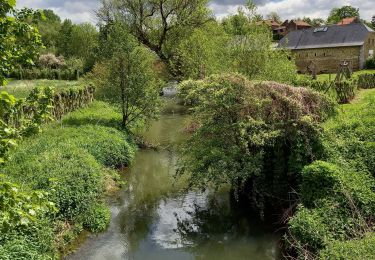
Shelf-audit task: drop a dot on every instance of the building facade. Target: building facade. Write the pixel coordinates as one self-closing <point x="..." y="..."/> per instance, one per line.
<point x="324" y="49"/>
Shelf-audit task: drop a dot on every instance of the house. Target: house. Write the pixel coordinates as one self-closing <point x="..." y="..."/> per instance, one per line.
<point x="326" y="47"/>
<point x="278" y="31"/>
<point x="294" y="25"/>
<point x="347" y="21"/>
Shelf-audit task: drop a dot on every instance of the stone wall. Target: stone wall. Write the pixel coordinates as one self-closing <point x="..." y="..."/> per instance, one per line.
<point x="327" y="60"/>
<point x="369" y="45"/>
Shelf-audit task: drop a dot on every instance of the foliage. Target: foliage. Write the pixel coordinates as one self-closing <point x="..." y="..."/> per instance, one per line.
<point x="67" y="162"/>
<point x="343" y="91"/>
<point x="97" y="218"/>
<point x="251" y="52"/>
<point x="19" y="210"/>
<point x="366" y="81"/>
<point x="337" y="14"/>
<point x="338" y="194"/>
<point x="22" y="118"/>
<point x="370" y="63"/>
<point x="363" y="248"/>
<point x="204" y="53"/>
<point x="246" y="138"/>
<point x="315" y="22"/>
<point x="160" y="25"/>
<point x="23" y="231"/>
<point x="48" y="24"/>
<point x="19" y="42"/>
<point x="129" y="80"/>
<point x="51" y="74"/>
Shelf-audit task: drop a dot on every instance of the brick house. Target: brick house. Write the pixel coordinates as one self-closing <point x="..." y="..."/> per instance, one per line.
<point x="326" y="47"/>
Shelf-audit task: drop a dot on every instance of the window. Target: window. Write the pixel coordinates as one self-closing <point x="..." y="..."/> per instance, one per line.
<point x="324" y="54"/>
<point x="315" y="54"/>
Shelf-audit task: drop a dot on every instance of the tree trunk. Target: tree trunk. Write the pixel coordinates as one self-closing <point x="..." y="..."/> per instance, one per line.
<point x="123" y="96"/>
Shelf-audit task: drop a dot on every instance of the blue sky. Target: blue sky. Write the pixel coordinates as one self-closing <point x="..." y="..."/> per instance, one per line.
<point x="83" y="10"/>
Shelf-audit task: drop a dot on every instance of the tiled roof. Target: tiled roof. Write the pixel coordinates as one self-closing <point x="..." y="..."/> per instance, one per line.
<point x="331" y="36"/>
<point x="347" y="21"/>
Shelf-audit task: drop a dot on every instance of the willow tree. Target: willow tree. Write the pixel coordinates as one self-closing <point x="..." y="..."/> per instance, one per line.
<point x="158" y="24"/>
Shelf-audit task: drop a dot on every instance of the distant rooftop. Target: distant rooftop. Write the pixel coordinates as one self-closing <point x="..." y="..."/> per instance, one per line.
<point x="353" y="34"/>
<point x="347" y="21"/>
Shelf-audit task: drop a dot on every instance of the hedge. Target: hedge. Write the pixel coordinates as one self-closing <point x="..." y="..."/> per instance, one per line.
<point x="58" y="74"/>
<point x="24" y="117"/>
<point x="366" y="81"/>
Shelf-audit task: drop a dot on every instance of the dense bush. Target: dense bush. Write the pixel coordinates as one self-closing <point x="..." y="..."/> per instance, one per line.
<point x="362" y="248"/>
<point x="370" y="63"/>
<point x="73" y="175"/>
<point x="255" y="137"/>
<point x="97" y="218"/>
<point x="66" y="161"/>
<point x="366" y="81"/>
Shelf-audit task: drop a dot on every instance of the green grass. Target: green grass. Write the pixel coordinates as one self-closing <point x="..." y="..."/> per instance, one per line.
<point x="21" y="88"/>
<point x="74" y="161"/>
<point x="326" y="77"/>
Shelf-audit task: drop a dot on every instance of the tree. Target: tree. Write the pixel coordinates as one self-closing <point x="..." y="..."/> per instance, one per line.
<point x="373" y="21"/>
<point x="315" y="22"/>
<point x="64" y="39"/>
<point x="158" y="24"/>
<point x="127" y="79"/>
<point x="337" y="14"/>
<point x="274" y="17"/>
<point x="237" y="24"/>
<point x="205" y="52"/>
<point x="19" y="41"/>
<point x="84" y="39"/>
<point x="49" y="26"/>
<point x="250" y="49"/>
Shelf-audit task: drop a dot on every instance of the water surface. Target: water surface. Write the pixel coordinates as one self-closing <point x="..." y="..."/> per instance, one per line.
<point x="156" y="217"/>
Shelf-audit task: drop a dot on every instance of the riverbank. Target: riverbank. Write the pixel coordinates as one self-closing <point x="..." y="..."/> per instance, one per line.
<point x="72" y="164"/>
<point x="156" y="216"/>
<point x="335" y="216"/>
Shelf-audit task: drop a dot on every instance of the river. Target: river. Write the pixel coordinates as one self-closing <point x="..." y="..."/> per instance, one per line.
<point x="156" y="217"/>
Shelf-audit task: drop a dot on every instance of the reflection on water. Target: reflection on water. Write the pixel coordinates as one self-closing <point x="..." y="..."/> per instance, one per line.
<point x="154" y="217"/>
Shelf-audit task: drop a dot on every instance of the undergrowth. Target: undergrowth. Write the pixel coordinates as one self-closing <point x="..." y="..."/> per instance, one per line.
<point x="336" y="218"/>
<point x="73" y="162"/>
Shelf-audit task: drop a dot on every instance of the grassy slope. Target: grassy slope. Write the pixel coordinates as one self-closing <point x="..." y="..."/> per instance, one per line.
<point x="338" y="194"/>
<point x="21" y="88"/>
<point x="73" y="160"/>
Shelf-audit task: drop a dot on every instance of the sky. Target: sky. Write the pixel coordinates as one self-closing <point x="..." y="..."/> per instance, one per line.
<point x="83" y="10"/>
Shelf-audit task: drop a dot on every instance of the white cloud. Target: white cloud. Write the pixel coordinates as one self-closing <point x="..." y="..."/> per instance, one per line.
<point x="83" y="10"/>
